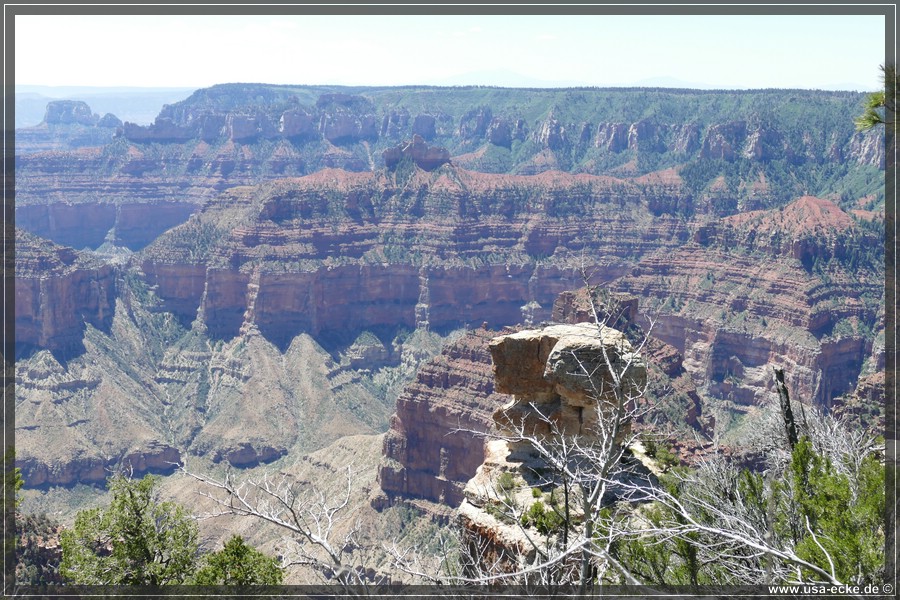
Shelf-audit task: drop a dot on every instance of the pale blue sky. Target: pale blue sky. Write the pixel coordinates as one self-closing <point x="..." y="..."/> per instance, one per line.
<point x="822" y="52"/>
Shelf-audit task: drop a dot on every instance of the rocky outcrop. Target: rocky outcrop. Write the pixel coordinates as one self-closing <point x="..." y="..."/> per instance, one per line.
<point x="163" y="130"/>
<point x="245" y="454"/>
<point x="424" y="156"/>
<point x="425" y="126"/>
<point x="394" y="122"/>
<point x="475" y="123"/>
<point x="612" y="137"/>
<point x="561" y="383"/>
<point x="501" y="132"/>
<point x="428" y="458"/>
<point x="551" y="134"/>
<point x="645" y="135"/>
<point x="564" y="375"/>
<point x="95" y="470"/>
<point x="724" y="141"/>
<point x="67" y="112"/>
<point x="762" y="144"/>
<point x="110" y="121"/>
<point x="298" y="125"/>
<point x="686" y="139"/>
<point x="616" y="310"/>
<point x="865" y="148"/>
<point x="866" y="404"/>
<point x="67" y="125"/>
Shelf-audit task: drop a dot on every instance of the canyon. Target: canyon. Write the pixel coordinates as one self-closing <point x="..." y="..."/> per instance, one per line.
<point x="267" y="269"/>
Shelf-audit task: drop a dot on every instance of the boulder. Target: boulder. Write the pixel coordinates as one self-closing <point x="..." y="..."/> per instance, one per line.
<point x="568" y="374"/>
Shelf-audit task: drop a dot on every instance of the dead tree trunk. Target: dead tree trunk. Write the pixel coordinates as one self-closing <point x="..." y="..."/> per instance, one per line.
<point x="786" y="413"/>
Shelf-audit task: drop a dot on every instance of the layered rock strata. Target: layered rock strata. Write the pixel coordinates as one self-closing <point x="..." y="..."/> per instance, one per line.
<point x="255" y="113"/>
<point x="337" y="253"/>
<point x="434" y="446"/>
<point x="130" y="225"/>
<point x="57" y="292"/>
<point x="800" y="287"/>
<point x="244" y="134"/>
<point x="325" y="253"/>
<point x="462" y="249"/>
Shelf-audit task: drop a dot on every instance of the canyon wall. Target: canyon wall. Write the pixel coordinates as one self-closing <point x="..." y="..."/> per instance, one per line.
<point x="462" y="119"/>
<point x="233" y="135"/>
<point x="486" y="248"/>
<point x="735" y="304"/>
<point x="432" y="447"/>
<point x="344" y="252"/>
<point x="57" y="292"/>
<point x="330" y="255"/>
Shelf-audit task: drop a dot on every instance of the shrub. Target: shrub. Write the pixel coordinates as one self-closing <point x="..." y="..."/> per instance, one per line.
<point x="541" y="518"/>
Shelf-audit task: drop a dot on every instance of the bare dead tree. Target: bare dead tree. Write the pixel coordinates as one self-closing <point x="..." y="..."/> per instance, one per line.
<point x="731" y="533"/>
<point x="324" y="534"/>
<point x="583" y="470"/>
<point x="787" y="413"/>
<point x="727" y="515"/>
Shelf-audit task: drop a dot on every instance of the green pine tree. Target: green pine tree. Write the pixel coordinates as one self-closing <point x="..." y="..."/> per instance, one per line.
<point x="880" y="105"/>
<point x="238" y="564"/>
<point x="137" y="540"/>
<point x="847" y="514"/>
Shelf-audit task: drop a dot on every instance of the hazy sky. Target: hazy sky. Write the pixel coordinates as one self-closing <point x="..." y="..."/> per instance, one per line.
<point x="823" y="52"/>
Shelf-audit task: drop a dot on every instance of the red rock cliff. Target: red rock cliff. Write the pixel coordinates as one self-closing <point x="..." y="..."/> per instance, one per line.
<point x="425" y="456"/>
<point x="58" y="291"/>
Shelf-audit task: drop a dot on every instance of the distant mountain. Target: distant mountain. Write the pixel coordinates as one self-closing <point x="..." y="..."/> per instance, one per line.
<point x="133" y="104"/>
